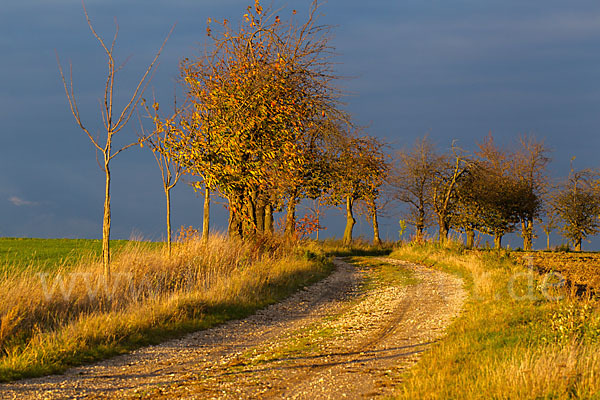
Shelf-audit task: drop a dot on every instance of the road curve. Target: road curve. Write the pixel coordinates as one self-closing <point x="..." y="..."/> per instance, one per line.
<point x="330" y="340"/>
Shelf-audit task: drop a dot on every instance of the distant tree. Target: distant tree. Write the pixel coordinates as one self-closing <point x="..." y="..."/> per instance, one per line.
<point x="360" y="170"/>
<point x="411" y="182"/>
<point x="373" y="210"/>
<point x="577" y="203"/>
<point x="499" y="200"/>
<point x="113" y="122"/>
<point x="549" y="224"/>
<point x="448" y="172"/>
<point x="316" y="209"/>
<point x="468" y="209"/>
<point x="504" y="198"/>
<point x="375" y="204"/>
<point x="530" y="162"/>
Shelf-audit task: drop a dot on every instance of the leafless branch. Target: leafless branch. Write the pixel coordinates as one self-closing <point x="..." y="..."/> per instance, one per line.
<point x="72" y="100"/>
<point x="140" y="88"/>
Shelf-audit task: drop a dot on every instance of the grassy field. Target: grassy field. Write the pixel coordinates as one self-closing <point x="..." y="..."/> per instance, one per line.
<point x="71" y="314"/>
<point x="521" y="334"/>
<point x="18" y="254"/>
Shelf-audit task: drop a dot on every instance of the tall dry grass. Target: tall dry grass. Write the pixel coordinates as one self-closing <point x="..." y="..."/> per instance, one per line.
<point x="520" y="336"/>
<point x="51" y="321"/>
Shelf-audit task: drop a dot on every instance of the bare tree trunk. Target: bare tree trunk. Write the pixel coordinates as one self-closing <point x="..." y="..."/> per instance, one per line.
<point x="350" y="221"/>
<point x="497" y="241"/>
<point x="470" y="238"/>
<point x="547" y="240"/>
<point x="168" y="196"/>
<point x="376" y="238"/>
<point x="290" y="218"/>
<point x="112" y="126"/>
<point x="106" y="223"/>
<point x="206" y="216"/>
<point x="268" y="219"/>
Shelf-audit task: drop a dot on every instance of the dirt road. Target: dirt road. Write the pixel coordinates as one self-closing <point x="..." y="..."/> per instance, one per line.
<point x="338" y="338"/>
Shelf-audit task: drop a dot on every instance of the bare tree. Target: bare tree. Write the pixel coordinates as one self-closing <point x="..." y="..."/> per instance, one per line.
<point x="160" y="141"/>
<point x="531" y="160"/>
<point x="549" y="224"/>
<point x="411" y="183"/>
<point x="444" y="193"/>
<point x="113" y="121"/>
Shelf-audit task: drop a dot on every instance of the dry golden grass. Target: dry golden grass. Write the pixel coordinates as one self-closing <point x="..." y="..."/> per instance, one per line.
<point x="51" y="321"/>
<point x="517" y="337"/>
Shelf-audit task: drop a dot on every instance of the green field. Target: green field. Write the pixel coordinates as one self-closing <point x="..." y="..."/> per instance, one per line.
<point x="18" y="254"/>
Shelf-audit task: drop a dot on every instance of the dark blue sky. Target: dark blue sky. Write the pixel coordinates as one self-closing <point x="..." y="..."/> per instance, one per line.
<point x="455" y="69"/>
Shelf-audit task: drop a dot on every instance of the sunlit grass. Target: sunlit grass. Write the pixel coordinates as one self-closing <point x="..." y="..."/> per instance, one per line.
<point x="359" y="247"/>
<point x="517" y="337"/>
<point x="51" y="321"/>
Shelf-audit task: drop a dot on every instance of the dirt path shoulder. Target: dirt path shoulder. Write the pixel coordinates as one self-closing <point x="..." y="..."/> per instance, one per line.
<point x="346" y="336"/>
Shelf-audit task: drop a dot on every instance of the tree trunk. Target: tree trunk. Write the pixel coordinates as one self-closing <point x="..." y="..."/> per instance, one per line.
<point x="547" y="240"/>
<point x="290" y="218"/>
<point x="252" y="224"/>
<point x="419" y="233"/>
<point x="527" y="234"/>
<point x="443" y="231"/>
<point x="106" y="224"/>
<point x="248" y="215"/>
<point x="577" y="245"/>
<point x="234" y="226"/>
<point x="268" y="219"/>
<point x="168" y="196"/>
<point x="420" y="226"/>
<point x="206" y="215"/>
<point x="260" y="216"/>
<point x="350" y="221"/>
<point x="470" y="238"/>
<point x="497" y="241"/>
<point x="376" y="238"/>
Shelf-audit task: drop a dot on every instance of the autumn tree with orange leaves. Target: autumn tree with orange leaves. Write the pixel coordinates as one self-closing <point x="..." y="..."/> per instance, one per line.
<point x="259" y="94"/>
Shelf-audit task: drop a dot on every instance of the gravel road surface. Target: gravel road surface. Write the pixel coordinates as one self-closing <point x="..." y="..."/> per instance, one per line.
<point x="335" y="339"/>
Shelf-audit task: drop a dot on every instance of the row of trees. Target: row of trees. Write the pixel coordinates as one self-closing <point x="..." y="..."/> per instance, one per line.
<point x="494" y="191"/>
<point x="261" y="126"/>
